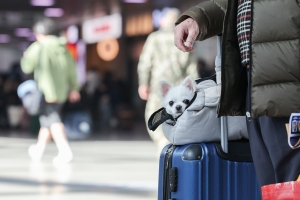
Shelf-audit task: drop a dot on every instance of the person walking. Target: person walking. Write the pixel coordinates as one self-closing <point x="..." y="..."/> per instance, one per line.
<point x="55" y="72"/>
<point x="161" y="60"/>
<point x="260" y="73"/>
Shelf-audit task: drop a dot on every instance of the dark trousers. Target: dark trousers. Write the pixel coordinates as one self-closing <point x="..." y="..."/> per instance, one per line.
<point x="50" y="114"/>
<point x="274" y="160"/>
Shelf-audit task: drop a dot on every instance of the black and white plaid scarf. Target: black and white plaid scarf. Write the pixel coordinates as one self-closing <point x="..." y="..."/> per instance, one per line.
<point x="243" y="29"/>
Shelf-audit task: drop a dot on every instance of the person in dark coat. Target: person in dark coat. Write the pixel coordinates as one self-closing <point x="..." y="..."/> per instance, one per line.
<point x="260" y="73"/>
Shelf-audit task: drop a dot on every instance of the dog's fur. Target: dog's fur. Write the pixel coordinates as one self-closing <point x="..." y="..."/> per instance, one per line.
<point x="176" y="98"/>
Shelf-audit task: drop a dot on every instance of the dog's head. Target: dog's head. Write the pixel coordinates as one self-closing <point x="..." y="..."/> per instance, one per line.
<point x="176" y="98"/>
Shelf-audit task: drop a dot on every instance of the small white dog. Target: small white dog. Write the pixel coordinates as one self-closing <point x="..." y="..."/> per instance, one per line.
<point x="176" y="98"/>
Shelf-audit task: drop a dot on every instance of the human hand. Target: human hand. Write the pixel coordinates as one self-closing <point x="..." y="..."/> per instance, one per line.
<point x="144" y="92"/>
<point x="185" y="35"/>
<point x="74" y="96"/>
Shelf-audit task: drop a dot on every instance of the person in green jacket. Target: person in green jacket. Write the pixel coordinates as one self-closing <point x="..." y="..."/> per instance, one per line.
<point x="260" y="73"/>
<point x="55" y="72"/>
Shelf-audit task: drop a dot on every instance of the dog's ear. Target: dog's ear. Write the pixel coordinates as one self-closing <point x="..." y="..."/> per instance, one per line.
<point x="190" y="83"/>
<point x="164" y="88"/>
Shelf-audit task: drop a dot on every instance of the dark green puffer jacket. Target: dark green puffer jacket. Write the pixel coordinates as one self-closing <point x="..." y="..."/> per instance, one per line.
<point x="275" y="55"/>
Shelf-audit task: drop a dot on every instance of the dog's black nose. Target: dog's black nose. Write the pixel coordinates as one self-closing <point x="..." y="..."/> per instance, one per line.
<point x="178" y="107"/>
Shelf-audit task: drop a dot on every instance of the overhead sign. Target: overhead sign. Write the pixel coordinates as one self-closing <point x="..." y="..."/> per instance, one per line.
<point x="95" y="30"/>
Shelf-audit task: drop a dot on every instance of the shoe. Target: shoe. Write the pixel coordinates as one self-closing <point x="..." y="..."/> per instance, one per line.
<point x="63" y="158"/>
<point x="35" y="153"/>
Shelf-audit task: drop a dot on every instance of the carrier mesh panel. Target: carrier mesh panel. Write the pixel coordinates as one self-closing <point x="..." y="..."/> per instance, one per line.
<point x="158" y="118"/>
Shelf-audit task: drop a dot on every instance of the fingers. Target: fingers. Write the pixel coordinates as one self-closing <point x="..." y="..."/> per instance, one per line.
<point x="143" y="92"/>
<point x="178" y="38"/>
<point x="185" y="35"/>
<point x="191" y="38"/>
<point x="74" y="96"/>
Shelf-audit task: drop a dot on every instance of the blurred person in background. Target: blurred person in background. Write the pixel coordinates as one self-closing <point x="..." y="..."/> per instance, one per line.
<point x="93" y="80"/>
<point x="13" y="104"/>
<point x="55" y="72"/>
<point x="111" y="97"/>
<point x="161" y="60"/>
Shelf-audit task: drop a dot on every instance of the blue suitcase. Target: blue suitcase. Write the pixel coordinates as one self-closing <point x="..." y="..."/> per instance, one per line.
<point x="204" y="172"/>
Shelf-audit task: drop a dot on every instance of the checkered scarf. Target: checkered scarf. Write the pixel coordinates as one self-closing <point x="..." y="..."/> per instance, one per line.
<point x="243" y="29"/>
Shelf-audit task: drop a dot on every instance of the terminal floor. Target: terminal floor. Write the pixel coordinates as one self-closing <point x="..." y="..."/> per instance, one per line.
<point x="113" y="165"/>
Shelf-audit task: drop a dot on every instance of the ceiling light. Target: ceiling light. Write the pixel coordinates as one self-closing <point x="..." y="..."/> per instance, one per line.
<point x="23" y="32"/>
<point x="54" y="12"/>
<point x="4" y="38"/>
<point x="134" y="1"/>
<point x="42" y="2"/>
<point x="72" y="34"/>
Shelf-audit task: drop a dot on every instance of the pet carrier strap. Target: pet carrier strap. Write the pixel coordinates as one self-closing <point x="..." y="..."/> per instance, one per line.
<point x="224" y="129"/>
<point x="192" y="100"/>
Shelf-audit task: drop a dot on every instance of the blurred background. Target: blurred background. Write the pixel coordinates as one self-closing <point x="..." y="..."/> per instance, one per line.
<point x="115" y="157"/>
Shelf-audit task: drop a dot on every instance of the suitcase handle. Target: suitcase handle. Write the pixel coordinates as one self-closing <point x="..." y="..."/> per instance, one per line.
<point x="224" y="129"/>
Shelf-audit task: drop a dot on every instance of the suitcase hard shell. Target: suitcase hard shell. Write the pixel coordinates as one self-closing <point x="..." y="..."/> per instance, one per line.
<point x="204" y="172"/>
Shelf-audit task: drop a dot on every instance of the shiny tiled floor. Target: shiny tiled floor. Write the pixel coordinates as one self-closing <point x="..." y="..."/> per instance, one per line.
<point x="108" y="170"/>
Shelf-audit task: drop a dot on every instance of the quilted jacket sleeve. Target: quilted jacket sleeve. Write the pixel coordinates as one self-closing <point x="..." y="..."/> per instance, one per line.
<point x="209" y="16"/>
<point x="145" y="62"/>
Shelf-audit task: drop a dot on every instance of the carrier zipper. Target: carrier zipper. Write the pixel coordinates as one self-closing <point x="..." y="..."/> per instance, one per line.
<point x="248" y="101"/>
<point x="249" y="70"/>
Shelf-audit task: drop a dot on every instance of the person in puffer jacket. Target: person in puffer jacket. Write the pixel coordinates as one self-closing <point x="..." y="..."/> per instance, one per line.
<point x="260" y="72"/>
<point x="55" y="73"/>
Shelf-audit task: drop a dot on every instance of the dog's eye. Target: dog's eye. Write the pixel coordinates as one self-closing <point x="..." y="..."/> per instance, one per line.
<point x="171" y="103"/>
<point x="186" y="101"/>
